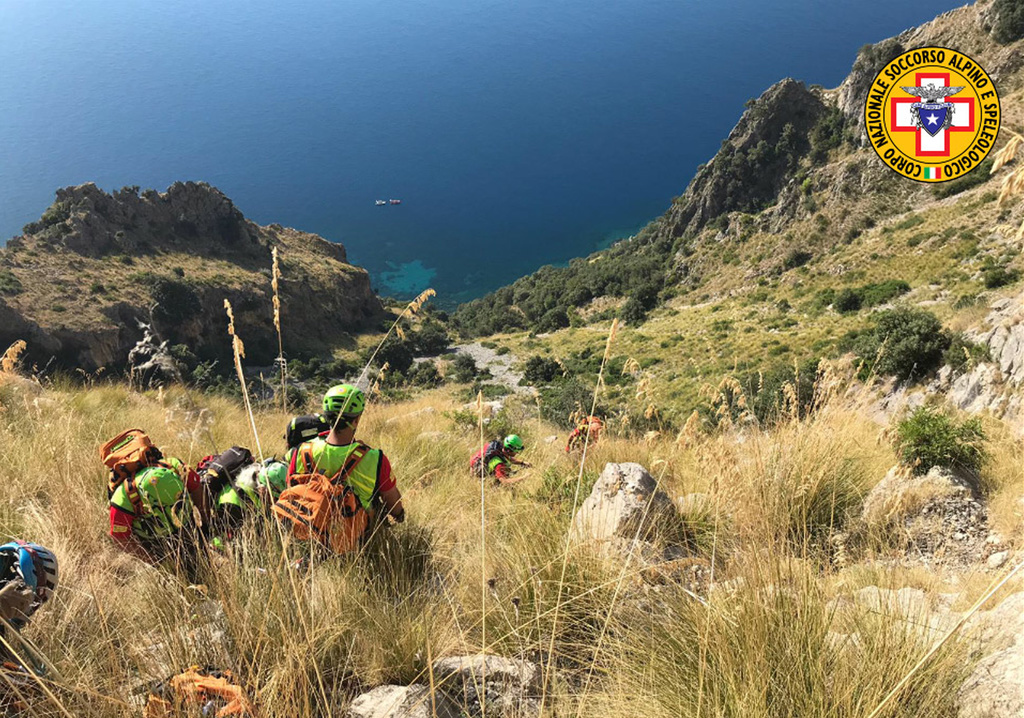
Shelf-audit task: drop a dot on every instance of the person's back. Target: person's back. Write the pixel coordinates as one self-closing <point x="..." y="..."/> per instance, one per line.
<point x="342" y="460"/>
<point x="149" y="510"/>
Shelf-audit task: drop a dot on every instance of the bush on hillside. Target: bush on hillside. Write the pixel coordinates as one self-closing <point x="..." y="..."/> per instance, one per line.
<point x="766" y="393"/>
<point x="561" y="400"/>
<point x="995" y="277"/>
<point x="425" y="374"/>
<point x="464" y="369"/>
<point x="1009" y="21"/>
<point x="847" y="301"/>
<point x="929" y="437"/>
<point x="9" y="284"/>
<point x="431" y="340"/>
<point x="176" y="301"/>
<point x="904" y="343"/>
<point x="962" y="353"/>
<point x="975" y="177"/>
<point x="540" y="370"/>
<point x="395" y="352"/>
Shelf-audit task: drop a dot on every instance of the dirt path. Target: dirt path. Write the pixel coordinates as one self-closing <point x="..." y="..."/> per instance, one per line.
<point x="500" y="365"/>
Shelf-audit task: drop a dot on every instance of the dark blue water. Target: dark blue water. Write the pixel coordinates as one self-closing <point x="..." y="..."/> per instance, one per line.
<point x="517" y="133"/>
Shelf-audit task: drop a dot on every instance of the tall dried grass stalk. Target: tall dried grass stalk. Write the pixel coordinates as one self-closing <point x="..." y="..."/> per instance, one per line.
<point x="483" y="529"/>
<point x="1013" y="184"/>
<point x="991" y="591"/>
<point x="275" y="278"/>
<point x="612" y="332"/>
<point x="238" y="349"/>
<point x="9" y="361"/>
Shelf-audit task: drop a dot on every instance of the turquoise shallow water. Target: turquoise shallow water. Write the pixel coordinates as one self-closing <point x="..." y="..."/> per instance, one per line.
<point x="516" y="133"/>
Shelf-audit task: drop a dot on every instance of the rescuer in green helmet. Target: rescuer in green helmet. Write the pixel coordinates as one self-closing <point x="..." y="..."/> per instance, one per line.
<point x="498" y="457"/>
<point x="371" y="479"/>
<point x="149" y="512"/>
<point x="255" y="489"/>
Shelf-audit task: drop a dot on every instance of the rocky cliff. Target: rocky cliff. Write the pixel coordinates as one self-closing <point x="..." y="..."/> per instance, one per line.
<point x="79" y="281"/>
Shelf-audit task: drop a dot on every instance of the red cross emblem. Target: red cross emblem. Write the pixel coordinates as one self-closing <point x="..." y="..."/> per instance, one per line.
<point x="901" y="118"/>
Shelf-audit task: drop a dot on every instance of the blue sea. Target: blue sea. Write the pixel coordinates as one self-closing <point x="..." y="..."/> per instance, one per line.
<point x="516" y="134"/>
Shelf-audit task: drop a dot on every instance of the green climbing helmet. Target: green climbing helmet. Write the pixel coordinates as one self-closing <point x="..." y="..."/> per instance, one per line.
<point x="162" y="492"/>
<point x="513" y="442"/>
<point x="159" y="487"/>
<point x="344" y="399"/>
<point x="273" y="476"/>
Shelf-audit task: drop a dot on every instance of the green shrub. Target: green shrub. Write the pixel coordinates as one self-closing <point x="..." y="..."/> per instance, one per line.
<point x="847" y="301"/>
<point x="97" y="288"/>
<point x="562" y="399"/>
<point x="431" y="340"/>
<point x="965" y="300"/>
<point x="425" y="374"/>
<point x="979" y="175"/>
<point x="464" y="369"/>
<point x="907" y="223"/>
<point x="995" y="277"/>
<point x="963" y="354"/>
<point x="176" y="301"/>
<point x="9" y="284"/>
<point x="540" y="370"/>
<point x="874" y="294"/>
<point x="796" y="258"/>
<point x="904" y="343"/>
<point x="928" y="437"/>
<point x="1009" y="20"/>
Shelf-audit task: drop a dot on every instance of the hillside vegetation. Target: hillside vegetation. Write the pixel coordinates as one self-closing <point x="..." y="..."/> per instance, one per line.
<point x="786" y="246"/>
<point x="745" y="625"/>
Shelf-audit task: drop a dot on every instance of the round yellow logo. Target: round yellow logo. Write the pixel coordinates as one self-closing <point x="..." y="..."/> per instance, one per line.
<point x="932" y="114"/>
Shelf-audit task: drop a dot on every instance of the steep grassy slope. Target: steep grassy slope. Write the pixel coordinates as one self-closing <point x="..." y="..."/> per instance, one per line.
<point x="310" y="641"/>
<point x="743" y="271"/>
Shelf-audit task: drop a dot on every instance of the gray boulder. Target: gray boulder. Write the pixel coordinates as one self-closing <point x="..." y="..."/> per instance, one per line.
<point x="624" y="502"/>
<point x="995" y="689"/>
<point x="938" y="515"/>
<point x="401" y="702"/>
<point x="508" y="687"/>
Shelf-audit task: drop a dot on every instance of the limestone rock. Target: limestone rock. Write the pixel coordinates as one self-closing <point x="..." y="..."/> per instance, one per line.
<point x="624" y="502"/>
<point x="997" y="559"/>
<point x="198" y="249"/>
<point x="938" y="514"/>
<point x="996" y="687"/>
<point x="401" y="702"/>
<point x="509" y="687"/>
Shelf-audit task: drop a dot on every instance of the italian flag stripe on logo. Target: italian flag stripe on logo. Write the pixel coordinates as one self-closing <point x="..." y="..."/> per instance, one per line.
<point x="933" y="173"/>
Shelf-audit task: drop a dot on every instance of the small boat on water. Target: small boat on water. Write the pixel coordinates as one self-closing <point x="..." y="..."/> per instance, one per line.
<point x="395" y="201"/>
<point x="380" y="203"/>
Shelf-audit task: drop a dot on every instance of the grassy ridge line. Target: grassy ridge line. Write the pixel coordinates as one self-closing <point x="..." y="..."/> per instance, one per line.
<point x="757" y="651"/>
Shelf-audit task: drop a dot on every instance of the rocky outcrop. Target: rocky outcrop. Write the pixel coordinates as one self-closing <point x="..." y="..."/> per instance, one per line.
<point x="509" y="687"/>
<point x="995" y="689"/>
<point x="97" y="264"/>
<point x="401" y="702"/>
<point x="756" y="160"/>
<point x="465" y="686"/>
<point x="625" y="503"/>
<point x="935" y="517"/>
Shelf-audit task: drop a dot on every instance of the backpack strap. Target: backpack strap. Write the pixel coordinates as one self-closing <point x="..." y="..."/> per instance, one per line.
<point x="131" y="491"/>
<point x="354" y="459"/>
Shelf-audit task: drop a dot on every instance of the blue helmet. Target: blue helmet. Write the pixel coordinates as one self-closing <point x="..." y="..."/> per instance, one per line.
<point x="35" y="565"/>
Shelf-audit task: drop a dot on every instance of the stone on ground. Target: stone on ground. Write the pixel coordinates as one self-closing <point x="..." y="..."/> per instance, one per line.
<point x="400" y="702"/>
<point x="508" y="687"/>
<point x="624" y="503"/>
